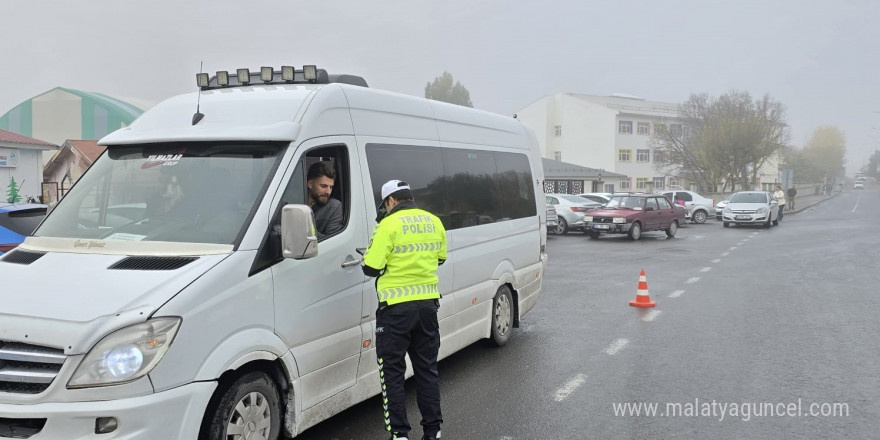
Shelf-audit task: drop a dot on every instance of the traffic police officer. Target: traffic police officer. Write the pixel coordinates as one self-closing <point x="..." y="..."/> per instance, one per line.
<point x="407" y="246"/>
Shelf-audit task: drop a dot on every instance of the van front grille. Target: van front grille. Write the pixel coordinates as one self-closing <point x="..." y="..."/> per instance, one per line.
<point x="20" y="428"/>
<point x="28" y="369"/>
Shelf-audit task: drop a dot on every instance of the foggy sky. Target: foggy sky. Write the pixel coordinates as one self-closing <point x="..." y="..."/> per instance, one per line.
<point x="820" y="59"/>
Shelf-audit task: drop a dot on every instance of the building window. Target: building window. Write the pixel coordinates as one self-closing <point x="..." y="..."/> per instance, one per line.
<point x="660" y="156"/>
<point x="685" y="130"/>
<point x="641" y="182"/>
<point x="625" y="127"/>
<point x="624" y="155"/>
<point x="645" y="128"/>
<point x="609" y="188"/>
<point x="624" y="184"/>
<point x="643" y="155"/>
<point x="674" y="182"/>
<point x="557" y="155"/>
<point x="675" y="130"/>
<point x="558" y="130"/>
<point x="658" y="182"/>
<point x="659" y="128"/>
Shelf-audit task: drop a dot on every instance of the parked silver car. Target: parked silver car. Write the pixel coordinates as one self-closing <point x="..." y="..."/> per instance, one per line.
<point x="552" y="219"/>
<point x="570" y="210"/>
<point x="751" y="208"/>
<point x="602" y="198"/>
<point x="699" y="208"/>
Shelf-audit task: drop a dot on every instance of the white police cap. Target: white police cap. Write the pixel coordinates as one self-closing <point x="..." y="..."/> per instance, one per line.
<point x="392" y="186"/>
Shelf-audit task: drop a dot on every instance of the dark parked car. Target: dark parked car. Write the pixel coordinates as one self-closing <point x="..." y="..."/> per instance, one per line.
<point x="18" y="220"/>
<point x="634" y="214"/>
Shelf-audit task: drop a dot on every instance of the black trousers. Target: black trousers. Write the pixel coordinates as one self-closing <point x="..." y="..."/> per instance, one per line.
<point x="409" y="327"/>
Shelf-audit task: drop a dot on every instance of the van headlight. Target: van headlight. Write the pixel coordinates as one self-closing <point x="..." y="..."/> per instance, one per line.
<point x="763" y="210"/>
<point x="126" y="354"/>
<point x="588" y="218"/>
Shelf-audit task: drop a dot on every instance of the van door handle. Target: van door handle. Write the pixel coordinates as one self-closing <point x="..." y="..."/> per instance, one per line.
<point x="350" y="263"/>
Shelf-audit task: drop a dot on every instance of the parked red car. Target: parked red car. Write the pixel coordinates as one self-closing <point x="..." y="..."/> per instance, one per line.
<point x="633" y="214"/>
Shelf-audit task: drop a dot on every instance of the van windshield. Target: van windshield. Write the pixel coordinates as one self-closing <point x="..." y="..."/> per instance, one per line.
<point x="200" y="192"/>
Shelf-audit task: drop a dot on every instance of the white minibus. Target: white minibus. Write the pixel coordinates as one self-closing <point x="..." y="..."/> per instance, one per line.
<point x="179" y="290"/>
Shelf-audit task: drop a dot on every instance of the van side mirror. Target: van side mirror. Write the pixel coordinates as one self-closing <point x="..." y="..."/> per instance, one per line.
<point x="299" y="238"/>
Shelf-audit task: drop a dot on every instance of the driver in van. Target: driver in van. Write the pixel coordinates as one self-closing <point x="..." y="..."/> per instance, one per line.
<point x="167" y="194"/>
<point x="327" y="210"/>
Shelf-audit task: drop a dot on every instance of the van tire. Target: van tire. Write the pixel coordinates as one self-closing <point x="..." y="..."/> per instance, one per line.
<point x="253" y="390"/>
<point x="502" y="316"/>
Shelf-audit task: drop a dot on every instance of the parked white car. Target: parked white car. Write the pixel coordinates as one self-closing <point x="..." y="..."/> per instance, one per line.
<point x="699" y="208"/>
<point x="570" y="210"/>
<point x="751" y="208"/>
<point x="719" y="207"/>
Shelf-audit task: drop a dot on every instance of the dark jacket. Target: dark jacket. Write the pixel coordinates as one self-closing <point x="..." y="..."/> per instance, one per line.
<point x="328" y="218"/>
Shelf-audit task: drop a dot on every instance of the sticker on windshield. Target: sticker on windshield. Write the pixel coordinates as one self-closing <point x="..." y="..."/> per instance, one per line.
<point x="126" y="237"/>
<point x="165" y="160"/>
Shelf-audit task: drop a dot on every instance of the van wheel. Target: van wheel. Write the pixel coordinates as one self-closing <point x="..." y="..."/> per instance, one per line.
<point x="247" y="408"/>
<point x="700" y="217"/>
<point x="502" y="316"/>
<point x="635" y="231"/>
<point x="672" y="229"/>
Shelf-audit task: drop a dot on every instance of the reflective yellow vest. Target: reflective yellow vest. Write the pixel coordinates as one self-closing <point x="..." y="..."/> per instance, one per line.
<point x="408" y="244"/>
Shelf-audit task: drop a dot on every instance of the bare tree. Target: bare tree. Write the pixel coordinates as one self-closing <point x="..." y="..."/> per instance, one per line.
<point x="728" y="138"/>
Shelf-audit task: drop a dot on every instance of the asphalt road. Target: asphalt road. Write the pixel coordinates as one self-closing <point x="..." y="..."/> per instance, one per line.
<point x="757" y="333"/>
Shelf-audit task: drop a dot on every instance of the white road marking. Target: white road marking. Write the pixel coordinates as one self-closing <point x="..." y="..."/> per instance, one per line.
<point x="676" y="294"/>
<point x="724" y="254"/>
<point x="857" y="204"/>
<point x="650" y="315"/>
<point x="692" y="280"/>
<point x="569" y="387"/>
<point x="733" y="248"/>
<point x="716" y="261"/>
<point x="506" y="437"/>
<point x="705" y="269"/>
<point x="740" y="243"/>
<point x="615" y="346"/>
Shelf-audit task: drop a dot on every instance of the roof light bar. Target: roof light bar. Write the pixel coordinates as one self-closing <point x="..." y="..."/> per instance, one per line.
<point x="287" y="73"/>
<point x="222" y="78"/>
<point x="244" y="76"/>
<point x="310" y="72"/>
<point x="202" y="80"/>
<point x="266" y="74"/>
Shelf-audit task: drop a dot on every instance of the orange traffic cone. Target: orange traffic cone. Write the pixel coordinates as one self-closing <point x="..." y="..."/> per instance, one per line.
<point x="642" y="297"/>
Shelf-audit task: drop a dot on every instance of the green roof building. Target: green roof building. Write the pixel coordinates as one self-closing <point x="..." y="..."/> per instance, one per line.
<point x="61" y="114"/>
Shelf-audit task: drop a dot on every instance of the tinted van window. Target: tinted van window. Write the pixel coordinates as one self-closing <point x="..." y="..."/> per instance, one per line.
<point x="420" y="167"/>
<point x="462" y="187"/>
<point x="472" y="191"/>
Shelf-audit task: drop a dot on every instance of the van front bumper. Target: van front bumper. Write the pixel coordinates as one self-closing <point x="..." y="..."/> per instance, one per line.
<point x="173" y="414"/>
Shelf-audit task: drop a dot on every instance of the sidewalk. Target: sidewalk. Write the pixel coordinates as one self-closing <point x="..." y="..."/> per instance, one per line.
<point x="803" y="202"/>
